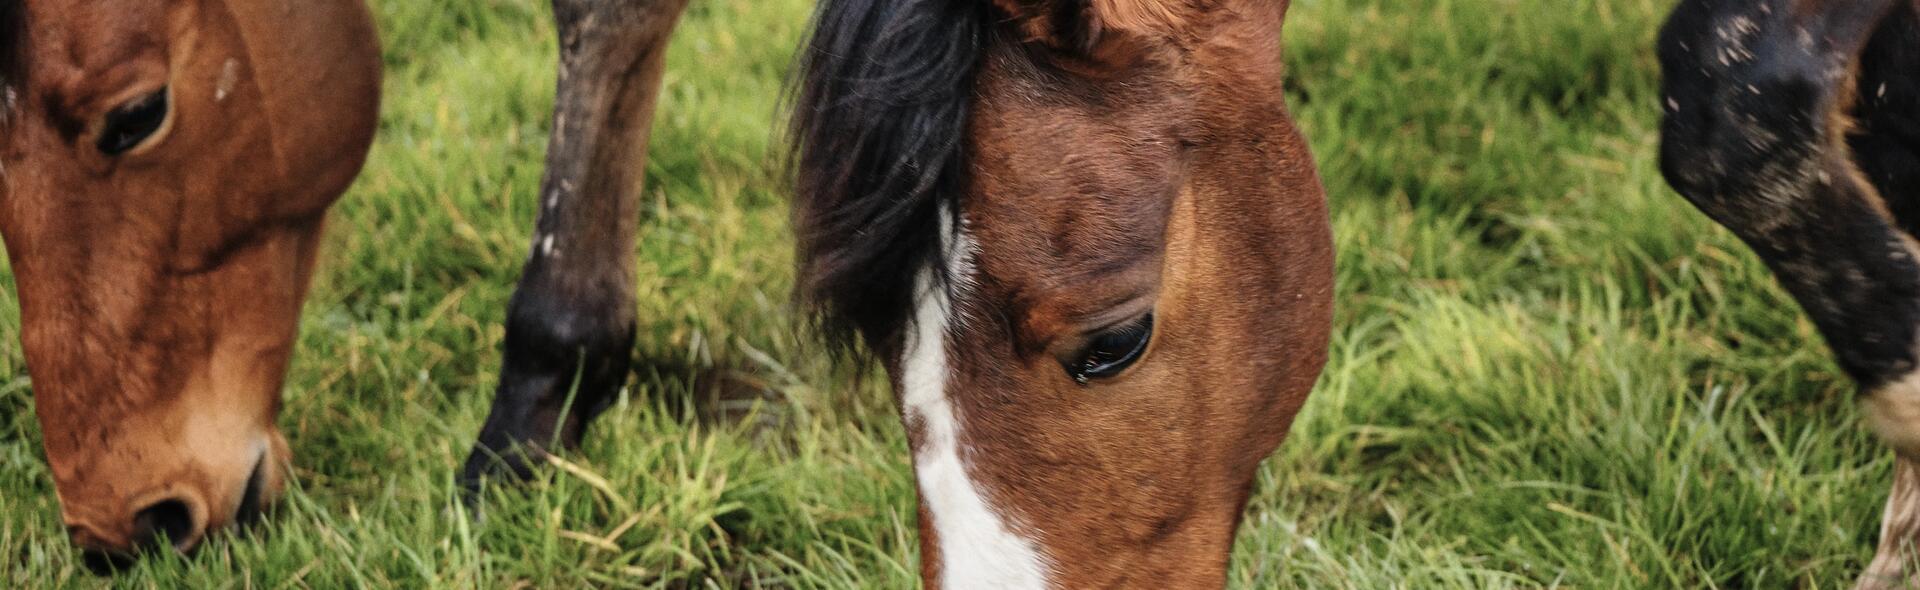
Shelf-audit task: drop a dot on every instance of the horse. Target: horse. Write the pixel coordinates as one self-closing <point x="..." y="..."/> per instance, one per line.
<point x="1083" y="239"/>
<point x="165" y="170"/>
<point x="1796" y="125"/>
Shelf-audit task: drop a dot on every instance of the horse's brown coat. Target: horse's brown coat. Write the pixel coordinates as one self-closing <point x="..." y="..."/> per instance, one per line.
<point x="1174" y="181"/>
<point x="160" y="288"/>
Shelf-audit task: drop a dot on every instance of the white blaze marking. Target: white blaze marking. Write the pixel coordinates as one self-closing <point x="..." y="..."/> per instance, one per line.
<point x="976" y="548"/>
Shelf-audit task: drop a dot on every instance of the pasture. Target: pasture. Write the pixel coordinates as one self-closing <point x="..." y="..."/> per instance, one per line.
<point x="1547" y="369"/>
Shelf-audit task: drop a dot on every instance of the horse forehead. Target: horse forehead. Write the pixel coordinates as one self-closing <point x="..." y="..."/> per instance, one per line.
<point x="1057" y="194"/>
<point x="72" y="38"/>
<point x="81" y="53"/>
<point x="1053" y="257"/>
<point x="73" y="41"/>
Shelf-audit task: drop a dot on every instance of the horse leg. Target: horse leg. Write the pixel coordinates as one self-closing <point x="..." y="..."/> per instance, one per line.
<point x="1898" y="526"/>
<point x="570" y="325"/>
<point x="1756" y="97"/>
<point x="1886" y="133"/>
<point x="1886" y="144"/>
<point x="1760" y="97"/>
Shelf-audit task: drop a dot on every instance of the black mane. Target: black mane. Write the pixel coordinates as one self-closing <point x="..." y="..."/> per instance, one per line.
<point x="878" y="135"/>
<point x="13" y="59"/>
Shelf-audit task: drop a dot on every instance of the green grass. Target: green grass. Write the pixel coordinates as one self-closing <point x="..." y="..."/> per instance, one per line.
<point x="1548" y="370"/>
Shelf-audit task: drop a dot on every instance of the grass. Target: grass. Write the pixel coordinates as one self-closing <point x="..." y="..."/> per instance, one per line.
<point x="1548" y="370"/>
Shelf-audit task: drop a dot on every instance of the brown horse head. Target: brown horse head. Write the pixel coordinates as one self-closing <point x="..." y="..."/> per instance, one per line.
<point x="165" y="166"/>
<point x="1091" y="249"/>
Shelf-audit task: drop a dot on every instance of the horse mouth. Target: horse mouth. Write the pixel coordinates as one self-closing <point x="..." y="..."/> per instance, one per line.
<point x="105" y="563"/>
<point x="250" y="509"/>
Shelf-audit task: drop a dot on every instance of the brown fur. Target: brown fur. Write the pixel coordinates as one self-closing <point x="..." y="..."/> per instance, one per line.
<point x="160" y="289"/>
<point x="1176" y="183"/>
<point x="1099" y="28"/>
<point x="1114" y="160"/>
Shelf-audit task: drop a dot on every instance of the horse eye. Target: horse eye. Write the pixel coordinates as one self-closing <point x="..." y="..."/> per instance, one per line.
<point x="132" y="123"/>
<point x="1112" y="351"/>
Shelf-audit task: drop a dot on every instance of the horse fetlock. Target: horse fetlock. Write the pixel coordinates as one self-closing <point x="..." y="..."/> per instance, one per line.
<point x="1893" y="412"/>
<point x="567" y="362"/>
<point x="543" y="323"/>
<point x="564" y="365"/>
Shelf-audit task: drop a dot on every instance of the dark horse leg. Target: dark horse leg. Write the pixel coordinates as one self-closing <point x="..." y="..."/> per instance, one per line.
<point x="570" y="326"/>
<point x="1886" y="144"/>
<point x="1791" y="122"/>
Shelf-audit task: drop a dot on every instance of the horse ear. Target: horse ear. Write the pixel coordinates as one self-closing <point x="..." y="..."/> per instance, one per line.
<point x="1089" y="27"/>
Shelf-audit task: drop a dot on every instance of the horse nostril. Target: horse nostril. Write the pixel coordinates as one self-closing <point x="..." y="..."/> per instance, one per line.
<point x="170" y="518"/>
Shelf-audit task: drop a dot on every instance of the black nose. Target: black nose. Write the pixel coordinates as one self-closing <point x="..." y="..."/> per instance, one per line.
<point x="167" y="518"/>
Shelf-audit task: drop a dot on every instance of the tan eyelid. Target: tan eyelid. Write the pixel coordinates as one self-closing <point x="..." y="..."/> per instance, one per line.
<point x="1124" y="310"/>
<point x="159" y="135"/>
<point x="1078" y="331"/>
